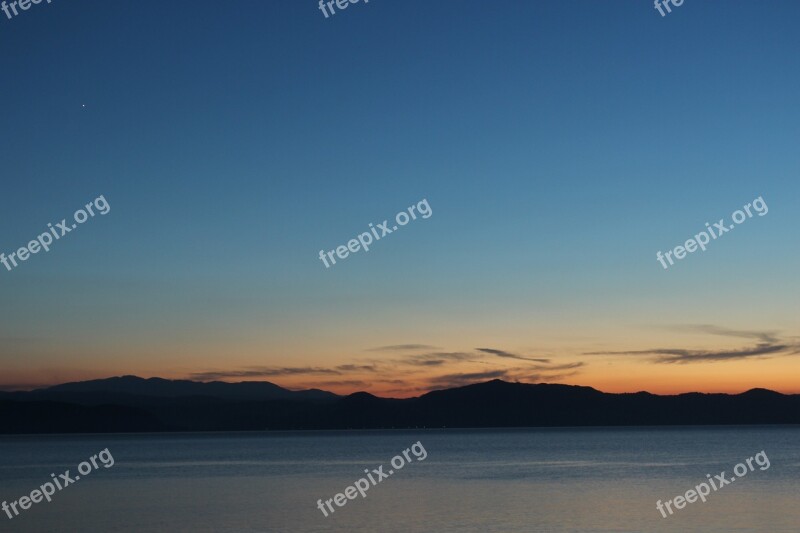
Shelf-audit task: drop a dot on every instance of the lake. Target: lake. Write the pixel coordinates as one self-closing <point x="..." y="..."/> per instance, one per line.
<point x="516" y="480"/>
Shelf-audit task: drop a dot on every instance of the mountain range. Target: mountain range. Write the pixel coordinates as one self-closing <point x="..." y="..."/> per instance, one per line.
<point x="134" y="404"/>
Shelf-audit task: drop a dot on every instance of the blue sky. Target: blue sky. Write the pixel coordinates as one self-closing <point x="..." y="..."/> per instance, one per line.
<point x="559" y="144"/>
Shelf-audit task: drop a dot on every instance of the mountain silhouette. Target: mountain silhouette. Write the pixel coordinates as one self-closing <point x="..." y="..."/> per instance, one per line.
<point x="133" y="404"/>
<point x="165" y="388"/>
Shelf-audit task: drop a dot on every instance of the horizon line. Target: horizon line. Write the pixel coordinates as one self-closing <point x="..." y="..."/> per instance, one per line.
<point x="31" y="388"/>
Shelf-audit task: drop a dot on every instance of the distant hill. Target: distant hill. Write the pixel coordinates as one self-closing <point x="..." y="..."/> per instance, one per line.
<point x="129" y="403"/>
<point x="165" y="388"/>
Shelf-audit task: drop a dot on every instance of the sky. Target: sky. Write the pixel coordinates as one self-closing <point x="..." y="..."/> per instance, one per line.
<point x="559" y="146"/>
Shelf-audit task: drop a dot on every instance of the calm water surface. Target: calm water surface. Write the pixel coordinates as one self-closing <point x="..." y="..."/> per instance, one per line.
<point x="539" y="480"/>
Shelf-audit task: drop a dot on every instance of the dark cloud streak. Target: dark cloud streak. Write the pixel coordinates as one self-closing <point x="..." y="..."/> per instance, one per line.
<point x="401" y="348"/>
<point x="262" y="372"/>
<point x="503" y="353"/>
<point x="674" y="355"/>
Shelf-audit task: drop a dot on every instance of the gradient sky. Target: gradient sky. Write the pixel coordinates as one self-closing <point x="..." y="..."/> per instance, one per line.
<point x="559" y="144"/>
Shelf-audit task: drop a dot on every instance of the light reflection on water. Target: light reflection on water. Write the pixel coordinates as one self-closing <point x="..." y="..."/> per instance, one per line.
<point x="543" y="480"/>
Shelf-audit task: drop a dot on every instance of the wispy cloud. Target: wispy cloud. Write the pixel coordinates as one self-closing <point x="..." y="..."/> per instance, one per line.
<point x="455" y="368"/>
<point x="770" y="337"/>
<point x="262" y="372"/>
<point x="521" y="374"/>
<point x="459" y="379"/>
<point x="435" y="358"/>
<point x="509" y="355"/>
<point x="402" y="348"/>
<point x="355" y="383"/>
<point x="357" y="368"/>
<point x="565" y="366"/>
<point x="674" y="355"/>
<point x="771" y="344"/>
